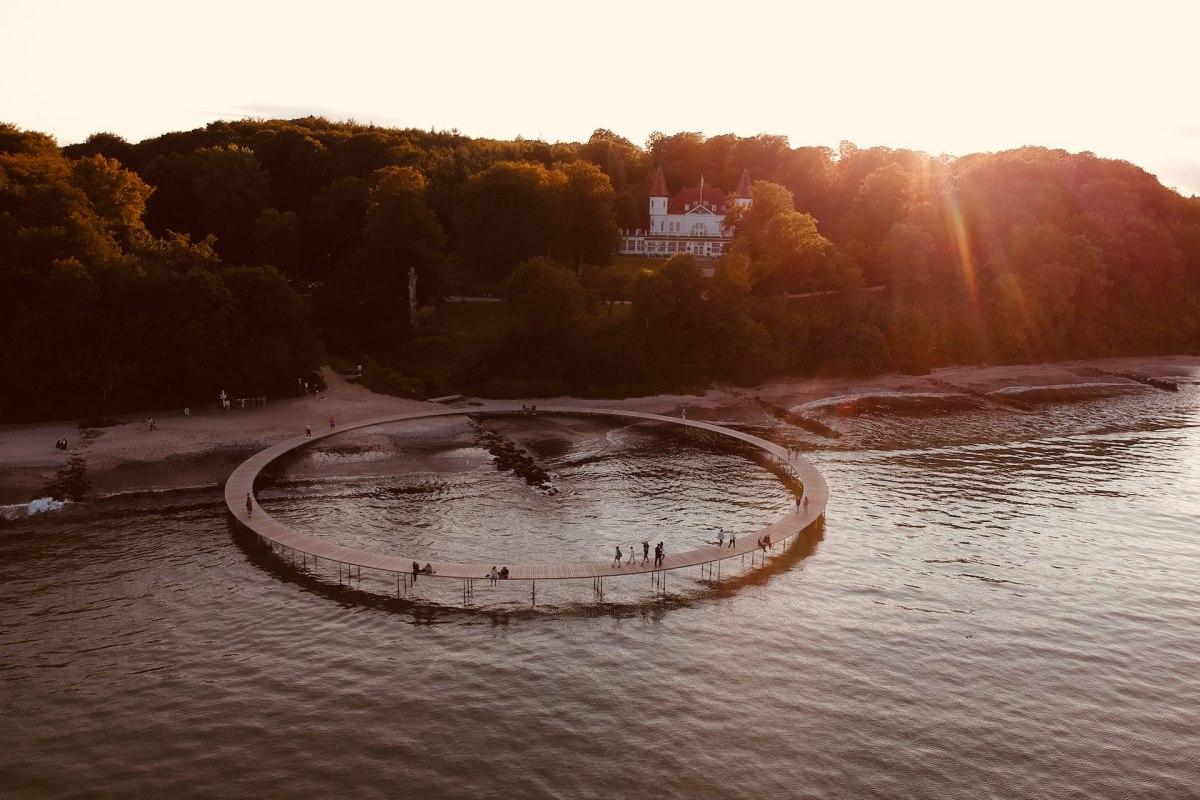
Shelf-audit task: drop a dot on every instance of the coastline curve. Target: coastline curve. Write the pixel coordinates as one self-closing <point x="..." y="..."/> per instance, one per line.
<point x="241" y="481"/>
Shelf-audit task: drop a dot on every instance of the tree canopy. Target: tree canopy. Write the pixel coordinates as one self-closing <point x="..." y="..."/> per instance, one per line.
<point x="148" y="272"/>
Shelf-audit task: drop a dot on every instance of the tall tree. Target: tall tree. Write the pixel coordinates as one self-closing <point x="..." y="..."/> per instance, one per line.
<point x="231" y="190"/>
<point x="584" y="214"/>
<point x="783" y="245"/>
<point x="401" y="233"/>
<point x="507" y="216"/>
<point x="277" y="240"/>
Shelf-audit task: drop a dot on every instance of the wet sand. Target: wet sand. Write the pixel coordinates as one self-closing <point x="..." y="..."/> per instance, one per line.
<point x="203" y="448"/>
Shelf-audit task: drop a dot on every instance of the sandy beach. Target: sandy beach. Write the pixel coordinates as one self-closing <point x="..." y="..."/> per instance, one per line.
<point x="201" y="449"/>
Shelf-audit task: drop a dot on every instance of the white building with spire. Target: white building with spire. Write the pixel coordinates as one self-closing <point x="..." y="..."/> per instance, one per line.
<point x="693" y="221"/>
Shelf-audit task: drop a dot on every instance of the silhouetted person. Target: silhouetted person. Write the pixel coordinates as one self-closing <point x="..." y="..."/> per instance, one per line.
<point x="504" y="573"/>
<point x="308" y="431"/>
<point x="249" y="506"/>
<point x="330" y="423"/>
<point x="645" y="550"/>
<point x="658" y="554"/>
<point x="416" y="572"/>
<point x="617" y="558"/>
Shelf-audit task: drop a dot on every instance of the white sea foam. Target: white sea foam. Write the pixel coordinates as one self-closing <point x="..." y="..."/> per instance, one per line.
<point x="22" y="510"/>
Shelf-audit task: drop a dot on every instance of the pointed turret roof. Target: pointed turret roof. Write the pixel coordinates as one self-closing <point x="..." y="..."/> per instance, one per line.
<point x="659" y="189"/>
<point x="743" y="189"/>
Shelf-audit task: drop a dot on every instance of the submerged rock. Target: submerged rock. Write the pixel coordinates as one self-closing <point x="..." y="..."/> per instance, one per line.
<point x="508" y="456"/>
<point x="909" y="404"/>
<point x="1065" y="392"/>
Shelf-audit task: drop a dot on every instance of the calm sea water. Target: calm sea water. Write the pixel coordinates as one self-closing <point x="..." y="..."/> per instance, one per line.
<point x="1000" y="605"/>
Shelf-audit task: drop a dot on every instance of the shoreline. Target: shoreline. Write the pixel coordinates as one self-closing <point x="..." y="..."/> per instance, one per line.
<point x="202" y="449"/>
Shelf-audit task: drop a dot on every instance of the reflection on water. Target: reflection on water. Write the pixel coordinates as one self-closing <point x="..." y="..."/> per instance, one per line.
<point x="1002" y="605"/>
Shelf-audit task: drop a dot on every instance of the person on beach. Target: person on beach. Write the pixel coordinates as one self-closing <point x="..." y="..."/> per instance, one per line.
<point x="721" y="538"/>
<point x="618" y="557"/>
<point x="308" y="431"/>
<point x="331" y="423"/>
<point x="249" y="506"/>
<point x="683" y="414"/>
<point x="187" y="411"/>
<point x="645" y="550"/>
<point x="416" y="571"/>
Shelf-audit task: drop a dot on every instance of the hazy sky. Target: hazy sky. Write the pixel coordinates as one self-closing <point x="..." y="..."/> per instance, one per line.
<point x="1121" y="80"/>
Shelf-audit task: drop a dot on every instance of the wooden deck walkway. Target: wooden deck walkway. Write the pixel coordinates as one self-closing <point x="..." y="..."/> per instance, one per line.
<point x="241" y="482"/>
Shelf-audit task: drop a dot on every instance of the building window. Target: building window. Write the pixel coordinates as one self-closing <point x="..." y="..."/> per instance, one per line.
<point x="699" y="229"/>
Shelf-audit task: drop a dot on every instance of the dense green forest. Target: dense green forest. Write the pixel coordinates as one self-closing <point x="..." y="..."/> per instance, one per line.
<point x="243" y="254"/>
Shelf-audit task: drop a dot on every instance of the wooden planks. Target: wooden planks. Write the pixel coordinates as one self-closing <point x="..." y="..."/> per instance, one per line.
<point x="241" y="483"/>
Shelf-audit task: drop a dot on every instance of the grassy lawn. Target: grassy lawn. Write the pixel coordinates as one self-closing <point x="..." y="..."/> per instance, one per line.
<point x="449" y="343"/>
<point x="455" y="337"/>
<point x="629" y="266"/>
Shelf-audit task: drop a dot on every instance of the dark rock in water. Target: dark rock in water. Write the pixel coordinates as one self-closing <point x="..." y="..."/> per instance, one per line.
<point x="906" y="404"/>
<point x="424" y="487"/>
<point x="807" y="423"/>
<point x="507" y="456"/>
<point x="1147" y="380"/>
<point x="1065" y="393"/>
<point x="70" y="483"/>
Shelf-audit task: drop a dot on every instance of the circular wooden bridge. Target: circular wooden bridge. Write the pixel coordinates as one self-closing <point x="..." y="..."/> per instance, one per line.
<point x="279" y="536"/>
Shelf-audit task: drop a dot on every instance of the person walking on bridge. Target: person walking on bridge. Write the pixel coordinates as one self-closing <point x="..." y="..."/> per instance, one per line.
<point x="618" y="557"/>
<point x="658" y="554"/>
<point x="721" y="538"/>
<point x="645" y="550"/>
<point x="249" y="506"/>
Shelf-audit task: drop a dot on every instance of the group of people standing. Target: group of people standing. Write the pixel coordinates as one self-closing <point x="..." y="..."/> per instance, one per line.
<point x="660" y="552"/>
<point x="312" y="388"/>
<point x="494" y="575"/>
<point x="723" y="541"/>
